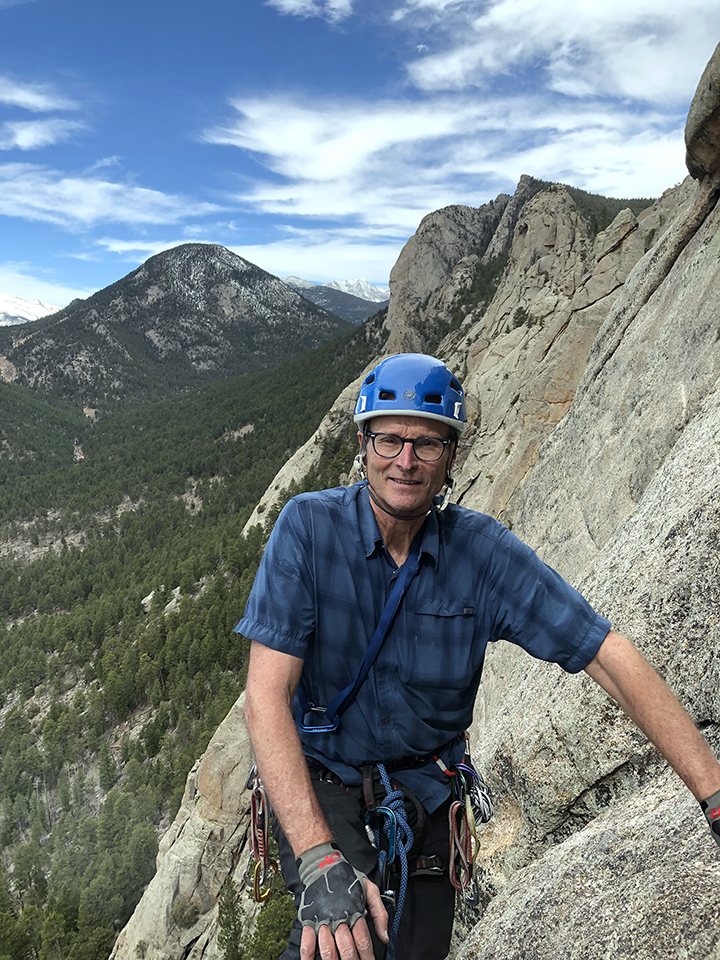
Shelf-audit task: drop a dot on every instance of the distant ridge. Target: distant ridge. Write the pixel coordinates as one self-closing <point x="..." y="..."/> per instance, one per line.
<point x="332" y="296"/>
<point x="362" y="289"/>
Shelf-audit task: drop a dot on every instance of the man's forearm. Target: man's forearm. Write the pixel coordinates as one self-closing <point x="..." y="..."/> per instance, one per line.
<point x="625" y="674"/>
<point x="281" y="763"/>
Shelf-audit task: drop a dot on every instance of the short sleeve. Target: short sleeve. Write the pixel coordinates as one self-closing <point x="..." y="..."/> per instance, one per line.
<point x="538" y="610"/>
<point x="280" y="612"/>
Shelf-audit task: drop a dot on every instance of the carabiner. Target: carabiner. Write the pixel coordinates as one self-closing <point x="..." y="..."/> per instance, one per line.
<point x="332" y="724"/>
<point x="391" y="832"/>
<point x="259" y="879"/>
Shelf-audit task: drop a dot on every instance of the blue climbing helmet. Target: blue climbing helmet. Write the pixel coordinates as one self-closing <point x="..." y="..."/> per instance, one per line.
<point x="414" y="385"/>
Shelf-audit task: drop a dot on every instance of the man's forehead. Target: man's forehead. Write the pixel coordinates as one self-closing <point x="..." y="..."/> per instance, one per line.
<point x="406" y="426"/>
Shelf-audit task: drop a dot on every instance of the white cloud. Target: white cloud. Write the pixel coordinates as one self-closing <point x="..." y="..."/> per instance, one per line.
<point x="34" y="134"/>
<point x="37" y="193"/>
<point x="36" y="97"/>
<point x="374" y="162"/>
<point x="18" y="279"/>
<point x="331" y="10"/>
<point x="145" y="248"/>
<point x="651" y="50"/>
<point x="103" y="163"/>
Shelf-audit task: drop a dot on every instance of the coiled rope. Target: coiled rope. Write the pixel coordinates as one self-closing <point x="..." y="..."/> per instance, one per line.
<point x="400" y="839"/>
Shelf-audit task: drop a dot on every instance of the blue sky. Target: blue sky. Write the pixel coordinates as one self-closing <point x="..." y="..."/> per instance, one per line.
<point x="312" y="136"/>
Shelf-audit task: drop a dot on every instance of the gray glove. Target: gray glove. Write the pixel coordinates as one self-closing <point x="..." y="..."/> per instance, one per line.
<point x="711" y="809"/>
<point x="334" y="891"/>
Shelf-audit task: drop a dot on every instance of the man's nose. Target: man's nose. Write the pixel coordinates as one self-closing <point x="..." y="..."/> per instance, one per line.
<point x="406" y="457"/>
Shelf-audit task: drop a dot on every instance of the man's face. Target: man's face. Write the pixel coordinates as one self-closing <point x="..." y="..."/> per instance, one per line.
<point x="406" y="485"/>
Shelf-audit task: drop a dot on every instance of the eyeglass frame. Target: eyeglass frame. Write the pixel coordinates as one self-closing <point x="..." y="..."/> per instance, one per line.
<point x="371" y="436"/>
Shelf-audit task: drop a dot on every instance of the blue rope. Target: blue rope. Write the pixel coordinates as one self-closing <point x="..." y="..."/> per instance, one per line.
<point x="394" y="802"/>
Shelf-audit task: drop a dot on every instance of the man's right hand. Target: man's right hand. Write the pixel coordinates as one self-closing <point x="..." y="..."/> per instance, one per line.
<point x="332" y="906"/>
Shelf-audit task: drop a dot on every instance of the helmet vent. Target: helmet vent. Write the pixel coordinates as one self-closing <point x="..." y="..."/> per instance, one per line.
<point x="455" y="385"/>
<point x="370" y="378"/>
<point x="433" y="398"/>
<point x="386" y="395"/>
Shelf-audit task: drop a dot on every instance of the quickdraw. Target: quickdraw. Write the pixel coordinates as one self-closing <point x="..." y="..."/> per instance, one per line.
<point x="470" y="804"/>
<point x="260" y="871"/>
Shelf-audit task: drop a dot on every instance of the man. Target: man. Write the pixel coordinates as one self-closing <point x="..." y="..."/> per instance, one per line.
<point x="322" y="588"/>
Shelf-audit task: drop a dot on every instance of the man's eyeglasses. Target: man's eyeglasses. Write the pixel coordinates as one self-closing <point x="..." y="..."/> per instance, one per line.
<point x="427" y="449"/>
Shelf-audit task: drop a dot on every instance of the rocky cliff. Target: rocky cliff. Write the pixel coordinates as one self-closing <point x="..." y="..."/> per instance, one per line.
<point x="592" y="364"/>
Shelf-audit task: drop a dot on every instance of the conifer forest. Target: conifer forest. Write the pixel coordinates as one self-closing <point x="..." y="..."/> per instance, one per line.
<point x="123" y="571"/>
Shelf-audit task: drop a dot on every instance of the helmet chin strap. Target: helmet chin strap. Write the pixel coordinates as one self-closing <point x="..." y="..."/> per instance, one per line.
<point x="359" y="465"/>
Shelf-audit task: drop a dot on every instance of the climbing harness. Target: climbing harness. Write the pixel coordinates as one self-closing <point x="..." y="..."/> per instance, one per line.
<point x="260" y="871"/>
<point x="317" y="719"/>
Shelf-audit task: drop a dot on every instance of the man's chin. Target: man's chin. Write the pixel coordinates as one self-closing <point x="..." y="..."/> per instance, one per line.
<point x="406" y="506"/>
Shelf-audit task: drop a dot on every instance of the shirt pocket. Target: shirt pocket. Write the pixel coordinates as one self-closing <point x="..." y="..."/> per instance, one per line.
<point x="442" y="651"/>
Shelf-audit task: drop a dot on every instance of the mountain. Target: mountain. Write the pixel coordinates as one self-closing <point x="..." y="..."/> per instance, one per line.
<point x="189" y="315"/>
<point x="361" y="289"/>
<point x="352" y="308"/>
<point x="15" y="310"/>
<point x="586" y="333"/>
<point x="299" y="284"/>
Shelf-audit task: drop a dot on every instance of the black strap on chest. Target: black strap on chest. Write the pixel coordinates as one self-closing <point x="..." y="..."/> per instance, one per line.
<point x="317" y="719"/>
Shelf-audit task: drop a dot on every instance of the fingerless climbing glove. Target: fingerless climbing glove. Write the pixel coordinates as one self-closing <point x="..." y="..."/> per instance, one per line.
<point x="334" y="891"/>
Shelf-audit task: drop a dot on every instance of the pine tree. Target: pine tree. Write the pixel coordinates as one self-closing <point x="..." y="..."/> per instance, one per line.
<point x="230" y="922"/>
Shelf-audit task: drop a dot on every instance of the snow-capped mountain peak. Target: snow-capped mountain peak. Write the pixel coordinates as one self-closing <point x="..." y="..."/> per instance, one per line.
<point x="360" y="288"/>
<point x="20" y="309"/>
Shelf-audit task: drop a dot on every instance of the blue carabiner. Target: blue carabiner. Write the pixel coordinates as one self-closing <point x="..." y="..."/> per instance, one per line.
<point x="390" y="832"/>
<point x="328" y="727"/>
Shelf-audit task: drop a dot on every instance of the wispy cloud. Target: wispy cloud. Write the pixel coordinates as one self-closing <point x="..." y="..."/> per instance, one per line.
<point x="647" y="50"/>
<point x="382" y="166"/>
<point x="331" y="10"/>
<point x="34" y="134"/>
<point x="37" y="193"/>
<point x="36" y="97"/>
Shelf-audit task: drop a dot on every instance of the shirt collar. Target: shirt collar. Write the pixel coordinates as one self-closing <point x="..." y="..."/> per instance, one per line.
<point x="372" y="538"/>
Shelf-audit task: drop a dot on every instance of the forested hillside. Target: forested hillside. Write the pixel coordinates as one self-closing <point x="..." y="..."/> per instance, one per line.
<point x="123" y="570"/>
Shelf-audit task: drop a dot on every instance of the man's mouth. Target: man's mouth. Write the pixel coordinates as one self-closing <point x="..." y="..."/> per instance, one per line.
<point x="406" y="483"/>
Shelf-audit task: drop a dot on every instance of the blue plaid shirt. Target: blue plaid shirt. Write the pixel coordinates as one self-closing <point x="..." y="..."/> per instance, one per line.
<point x="321" y="589"/>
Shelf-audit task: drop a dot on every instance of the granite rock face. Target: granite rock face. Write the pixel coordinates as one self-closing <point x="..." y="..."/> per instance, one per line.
<point x="702" y="130"/>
